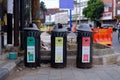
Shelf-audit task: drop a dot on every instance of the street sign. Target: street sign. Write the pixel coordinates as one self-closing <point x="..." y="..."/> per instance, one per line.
<point x="66" y="4"/>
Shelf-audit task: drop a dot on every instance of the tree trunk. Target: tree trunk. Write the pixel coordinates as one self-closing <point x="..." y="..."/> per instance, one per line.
<point x="36" y="12"/>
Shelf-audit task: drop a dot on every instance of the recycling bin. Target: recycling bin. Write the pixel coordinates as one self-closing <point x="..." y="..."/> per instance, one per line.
<point x="58" y="48"/>
<point x="84" y="46"/>
<point x="32" y="46"/>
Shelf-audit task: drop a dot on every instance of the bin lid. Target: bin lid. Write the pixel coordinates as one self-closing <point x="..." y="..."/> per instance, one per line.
<point x="84" y="27"/>
<point x="31" y="26"/>
<point x="56" y="29"/>
<point x="72" y="35"/>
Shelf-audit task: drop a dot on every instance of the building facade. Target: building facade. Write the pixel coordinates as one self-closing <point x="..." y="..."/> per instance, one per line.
<point x="117" y="7"/>
<point x="109" y="12"/>
<point x="111" y="9"/>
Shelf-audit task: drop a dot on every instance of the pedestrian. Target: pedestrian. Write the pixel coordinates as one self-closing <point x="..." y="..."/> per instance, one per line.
<point x="74" y="27"/>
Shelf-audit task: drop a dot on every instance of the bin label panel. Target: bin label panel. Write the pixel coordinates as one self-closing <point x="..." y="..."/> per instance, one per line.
<point x="85" y="49"/>
<point x="30" y="49"/>
<point x="59" y="50"/>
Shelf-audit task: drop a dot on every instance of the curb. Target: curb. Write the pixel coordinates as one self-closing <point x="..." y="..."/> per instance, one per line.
<point x="7" y="67"/>
<point x="3" y="73"/>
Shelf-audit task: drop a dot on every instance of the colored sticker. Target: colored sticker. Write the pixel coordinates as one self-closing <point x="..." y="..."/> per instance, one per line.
<point x="85" y="49"/>
<point x="59" y="50"/>
<point x="30" y="49"/>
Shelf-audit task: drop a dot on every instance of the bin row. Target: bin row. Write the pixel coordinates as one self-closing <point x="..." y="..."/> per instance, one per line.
<point x="58" y="47"/>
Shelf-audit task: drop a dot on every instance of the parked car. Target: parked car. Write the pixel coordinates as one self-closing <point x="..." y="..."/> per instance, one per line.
<point x="109" y="25"/>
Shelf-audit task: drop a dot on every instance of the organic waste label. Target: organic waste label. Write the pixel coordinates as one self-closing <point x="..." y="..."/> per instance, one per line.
<point x="59" y="50"/>
<point x="30" y="49"/>
<point x="85" y="49"/>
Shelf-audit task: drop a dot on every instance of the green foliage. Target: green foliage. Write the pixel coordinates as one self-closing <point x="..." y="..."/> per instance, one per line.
<point x="94" y="10"/>
<point x="42" y="6"/>
<point x="27" y="9"/>
<point x="75" y="2"/>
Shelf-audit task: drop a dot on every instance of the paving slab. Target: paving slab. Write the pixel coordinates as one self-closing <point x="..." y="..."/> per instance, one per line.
<point x="97" y="72"/>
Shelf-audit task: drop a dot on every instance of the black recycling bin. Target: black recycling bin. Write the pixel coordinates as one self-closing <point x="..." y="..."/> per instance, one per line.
<point x="32" y="46"/>
<point x="58" y="48"/>
<point x="84" y="47"/>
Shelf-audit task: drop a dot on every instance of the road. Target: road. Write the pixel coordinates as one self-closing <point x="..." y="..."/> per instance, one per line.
<point x="116" y="44"/>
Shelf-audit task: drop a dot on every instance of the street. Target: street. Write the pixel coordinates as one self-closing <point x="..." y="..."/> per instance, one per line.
<point x="116" y="44"/>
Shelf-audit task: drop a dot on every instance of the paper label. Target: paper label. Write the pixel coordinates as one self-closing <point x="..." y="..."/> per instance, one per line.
<point x="30" y="49"/>
<point x="59" y="50"/>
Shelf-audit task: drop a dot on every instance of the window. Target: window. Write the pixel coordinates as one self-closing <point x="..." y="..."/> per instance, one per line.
<point x="118" y="2"/>
<point x="106" y="9"/>
<point x="118" y="12"/>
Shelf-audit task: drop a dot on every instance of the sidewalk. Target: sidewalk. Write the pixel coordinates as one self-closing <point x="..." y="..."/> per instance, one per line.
<point x="45" y="72"/>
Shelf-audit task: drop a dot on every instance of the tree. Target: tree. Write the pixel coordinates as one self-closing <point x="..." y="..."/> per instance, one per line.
<point x="27" y="10"/>
<point x="36" y="12"/>
<point x="43" y="9"/>
<point x="94" y="10"/>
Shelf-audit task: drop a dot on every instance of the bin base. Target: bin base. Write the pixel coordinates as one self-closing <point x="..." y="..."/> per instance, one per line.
<point x="58" y="66"/>
<point x="84" y="66"/>
<point x="32" y="65"/>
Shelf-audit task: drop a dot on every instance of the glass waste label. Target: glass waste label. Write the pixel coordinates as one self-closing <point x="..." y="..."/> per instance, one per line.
<point x="30" y="49"/>
<point x="59" y="50"/>
<point x="85" y="49"/>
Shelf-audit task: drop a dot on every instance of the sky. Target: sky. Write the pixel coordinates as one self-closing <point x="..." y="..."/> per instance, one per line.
<point x="51" y="3"/>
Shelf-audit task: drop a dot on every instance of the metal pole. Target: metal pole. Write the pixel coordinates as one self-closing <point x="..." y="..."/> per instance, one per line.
<point x="0" y="38"/>
<point x="79" y="11"/>
<point x="9" y="21"/>
<point x="30" y="12"/>
<point x="1" y="14"/>
<point x="16" y="23"/>
<point x="22" y="23"/>
<point x="22" y="14"/>
<point x="2" y="25"/>
<point x="76" y="11"/>
<point x="70" y="18"/>
<point x="0" y="29"/>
